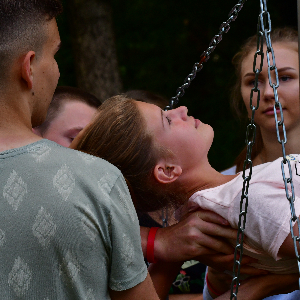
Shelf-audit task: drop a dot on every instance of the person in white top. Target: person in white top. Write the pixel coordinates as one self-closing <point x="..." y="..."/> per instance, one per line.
<point x="166" y="159"/>
<point x="266" y="147"/>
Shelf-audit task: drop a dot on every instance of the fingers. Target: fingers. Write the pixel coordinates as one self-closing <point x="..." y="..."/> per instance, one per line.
<point x="201" y="234"/>
<point x="196" y="236"/>
<point x="214" y="229"/>
<point x="221" y="263"/>
<point x="215" y="244"/>
<point x="249" y="270"/>
<point x="209" y="223"/>
<point x="248" y="260"/>
<point x="252" y="271"/>
<point x="209" y="216"/>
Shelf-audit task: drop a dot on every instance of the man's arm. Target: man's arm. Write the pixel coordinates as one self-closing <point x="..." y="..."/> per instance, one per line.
<point x="163" y="275"/>
<point x="254" y="288"/>
<point x="144" y="231"/>
<point x="143" y="291"/>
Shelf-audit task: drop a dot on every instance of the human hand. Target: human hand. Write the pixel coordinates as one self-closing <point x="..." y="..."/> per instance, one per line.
<point x="221" y="282"/>
<point x="224" y="262"/>
<point x="200" y="233"/>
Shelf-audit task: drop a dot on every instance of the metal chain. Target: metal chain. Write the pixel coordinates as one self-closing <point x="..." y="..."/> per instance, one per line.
<point x="264" y="29"/>
<point x="250" y="140"/>
<point x="224" y="28"/>
<point x="262" y="32"/>
<point x="288" y="180"/>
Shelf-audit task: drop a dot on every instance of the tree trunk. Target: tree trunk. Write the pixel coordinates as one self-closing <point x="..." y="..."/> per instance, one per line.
<point x="94" y="47"/>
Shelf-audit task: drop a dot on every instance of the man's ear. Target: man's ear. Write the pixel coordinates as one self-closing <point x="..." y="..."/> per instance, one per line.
<point x="167" y="173"/>
<point x="27" y="72"/>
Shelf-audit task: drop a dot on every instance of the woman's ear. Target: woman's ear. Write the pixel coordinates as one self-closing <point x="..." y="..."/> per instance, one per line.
<point x="166" y="173"/>
<point x="27" y="72"/>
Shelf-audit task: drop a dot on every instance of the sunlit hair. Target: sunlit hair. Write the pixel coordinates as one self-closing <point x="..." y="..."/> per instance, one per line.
<point x="118" y="134"/>
<point x="22" y="28"/>
<point x="63" y="95"/>
<point x="285" y="35"/>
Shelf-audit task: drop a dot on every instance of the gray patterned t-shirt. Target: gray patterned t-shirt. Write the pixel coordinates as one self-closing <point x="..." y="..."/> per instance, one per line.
<point x="68" y="228"/>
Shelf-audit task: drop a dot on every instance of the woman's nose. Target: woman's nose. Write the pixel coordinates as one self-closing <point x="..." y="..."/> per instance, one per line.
<point x="181" y="112"/>
<point x="268" y="93"/>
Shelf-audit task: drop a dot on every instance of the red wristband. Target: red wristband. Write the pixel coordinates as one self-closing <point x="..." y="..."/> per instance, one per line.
<point x="210" y="287"/>
<point x="150" y="245"/>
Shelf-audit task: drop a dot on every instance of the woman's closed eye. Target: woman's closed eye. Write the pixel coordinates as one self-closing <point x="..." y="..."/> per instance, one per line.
<point x="169" y="120"/>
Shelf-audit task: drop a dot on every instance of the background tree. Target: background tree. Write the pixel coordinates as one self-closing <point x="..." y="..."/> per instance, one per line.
<point x="94" y="47"/>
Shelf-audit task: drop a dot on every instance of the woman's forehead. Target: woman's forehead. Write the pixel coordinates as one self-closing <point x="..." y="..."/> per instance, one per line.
<point x="152" y="114"/>
<point x="148" y="110"/>
<point x="280" y="48"/>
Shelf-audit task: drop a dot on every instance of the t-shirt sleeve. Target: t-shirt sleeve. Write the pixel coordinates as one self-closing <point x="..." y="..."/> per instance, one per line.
<point x="127" y="263"/>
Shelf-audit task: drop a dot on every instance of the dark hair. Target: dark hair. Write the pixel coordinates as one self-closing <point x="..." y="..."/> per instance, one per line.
<point x="21" y="28"/>
<point x="118" y="135"/>
<point x="62" y="95"/>
<point x="149" y="97"/>
<point x="285" y="34"/>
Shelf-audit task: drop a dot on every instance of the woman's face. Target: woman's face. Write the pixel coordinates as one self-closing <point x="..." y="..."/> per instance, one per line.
<point x="286" y="58"/>
<point x="187" y="138"/>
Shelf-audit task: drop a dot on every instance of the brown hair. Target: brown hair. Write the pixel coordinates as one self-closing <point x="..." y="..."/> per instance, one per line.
<point x="148" y="97"/>
<point x="118" y="135"/>
<point x="62" y="95"/>
<point x="285" y="34"/>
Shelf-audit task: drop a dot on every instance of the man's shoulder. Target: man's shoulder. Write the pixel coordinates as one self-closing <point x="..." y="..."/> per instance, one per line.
<point x="75" y="157"/>
<point x="49" y="153"/>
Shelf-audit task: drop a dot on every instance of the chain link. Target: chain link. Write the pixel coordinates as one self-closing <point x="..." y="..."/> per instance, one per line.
<point x="264" y="29"/>
<point x="250" y="140"/>
<point x="263" y="34"/>
<point x="224" y="28"/>
<point x="287" y="179"/>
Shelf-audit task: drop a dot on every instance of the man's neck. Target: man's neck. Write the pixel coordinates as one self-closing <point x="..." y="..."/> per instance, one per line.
<point x="272" y="148"/>
<point x="22" y="138"/>
<point x="15" y="123"/>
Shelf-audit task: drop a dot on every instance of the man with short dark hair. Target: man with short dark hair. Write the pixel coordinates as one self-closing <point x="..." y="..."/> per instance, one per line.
<point x="68" y="229"/>
<point x="70" y="110"/>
